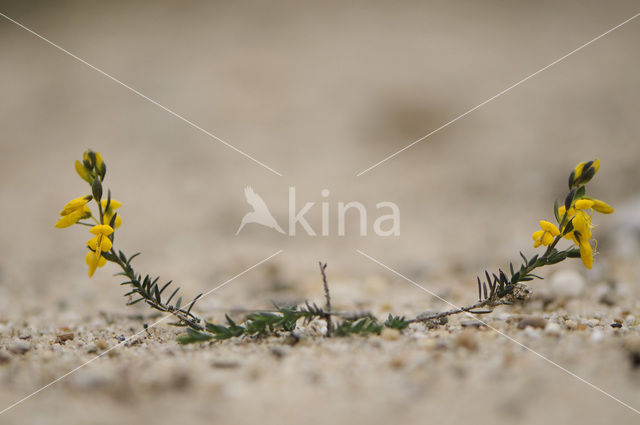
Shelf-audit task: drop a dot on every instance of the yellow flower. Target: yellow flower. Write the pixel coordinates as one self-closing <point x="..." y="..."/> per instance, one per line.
<point x="94" y="262"/>
<point x="584" y="172"/>
<point x="101" y="229"/>
<point x="580" y="168"/>
<point x="583" y="204"/>
<point x="101" y="241"/>
<point x="74" y="204"/>
<point x="98" y="244"/>
<point x="580" y="217"/>
<point x="83" y="172"/>
<point x="582" y="220"/>
<point x="546" y="235"/>
<point x="99" y="161"/>
<point x="74" y="211"/>
<point x="586" y="251"/>
<point x="601" y="206"/>
<point x="108" y="213"/>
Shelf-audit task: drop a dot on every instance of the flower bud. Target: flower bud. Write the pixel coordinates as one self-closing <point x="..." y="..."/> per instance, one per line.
<point x="83" y="172"/>
<point x="96" y="188"/>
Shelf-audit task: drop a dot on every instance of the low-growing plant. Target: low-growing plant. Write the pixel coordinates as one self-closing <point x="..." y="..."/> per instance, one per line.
<point x="573" y="220"/>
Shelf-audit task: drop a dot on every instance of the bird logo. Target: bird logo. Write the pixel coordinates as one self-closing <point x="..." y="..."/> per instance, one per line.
<point x="260" y="213"/>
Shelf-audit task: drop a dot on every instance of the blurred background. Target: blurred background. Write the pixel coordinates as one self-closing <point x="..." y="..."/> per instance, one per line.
<point x="319" y="92"/>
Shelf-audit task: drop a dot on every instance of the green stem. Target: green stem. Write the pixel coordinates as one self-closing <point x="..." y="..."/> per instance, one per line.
<point x="100" y="212"/>
<point x="185" y="317"/>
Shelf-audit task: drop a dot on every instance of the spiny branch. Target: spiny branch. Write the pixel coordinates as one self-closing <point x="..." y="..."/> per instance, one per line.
<point x="150" y="292"/>
<point x="499" y="289"/>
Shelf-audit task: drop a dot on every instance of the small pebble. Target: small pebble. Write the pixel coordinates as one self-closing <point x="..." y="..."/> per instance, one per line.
<point x="630" y="320"/>
<point x="608" y="299"/>
<point x="473" y="324"/>
<point x="553" y="329"/>
<point x="597" y="335"/>
<point x="67" y="336"/>
<point x="19" y="347"/>
<point x="397" y="362"/>
<point x="294" y="337"/>
<point x="278" y="352"/>
<point x="531" y="332"/>
<point x="4" y="357"/>
<point x="390" y="334"/>
<point x="534" y="322"/>
<point x="570" y="324"/>
<point x="101" y="344"/>
<point x="616" y="325"/>
<point x="567" y="284"/>
<point x="467" y="339"/>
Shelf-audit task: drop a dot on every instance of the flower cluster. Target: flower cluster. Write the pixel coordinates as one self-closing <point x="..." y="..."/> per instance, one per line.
<point x="574" y="217"/>
<point x="92" y="169"/>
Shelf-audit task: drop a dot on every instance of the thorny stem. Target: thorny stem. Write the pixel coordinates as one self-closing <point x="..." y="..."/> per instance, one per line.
<point x="185" y="317"/>
<point x="469" y="309"/>
<point x="492" y="301"/>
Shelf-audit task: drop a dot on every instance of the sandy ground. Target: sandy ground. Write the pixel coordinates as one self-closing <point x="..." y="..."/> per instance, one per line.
<point x="319" y="92"/>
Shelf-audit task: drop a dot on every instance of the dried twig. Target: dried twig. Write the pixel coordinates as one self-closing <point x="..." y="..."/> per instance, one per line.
<point x="327" y="297"/>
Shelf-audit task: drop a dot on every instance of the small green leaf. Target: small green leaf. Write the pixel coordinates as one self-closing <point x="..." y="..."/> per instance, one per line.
<point x="193" y="336"/>
<point x="555" y="213"/>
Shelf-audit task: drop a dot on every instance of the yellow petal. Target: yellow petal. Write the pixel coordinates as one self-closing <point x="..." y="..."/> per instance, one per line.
<point x="602" y="207"/>
<point x="65" y="221"/>
<point x="101" y="229"/>
<point x="84" y="213"/>
<point x="547" y="239"/>
<point x="586" y="254"/>
<point x="537" y="237"/>
<point x="596" y="164"/>
<point x="549" y="227"/>
<point x="91" y="262"/>
<point x="582" y="223"/>
<point x="561" y="211"/>
<point x="73" y="217"/>
<point x="74" y="204"/>
<point x="93" y="242"/>
<point x="83" y="172"/>
<point x="98" y="160"/>
<point x="109" y="216"/>
<point x="105" y="244"/>
<point x="583" y="204"/>
<point x="577" y="172"/>
<point x="113" y="205"/>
